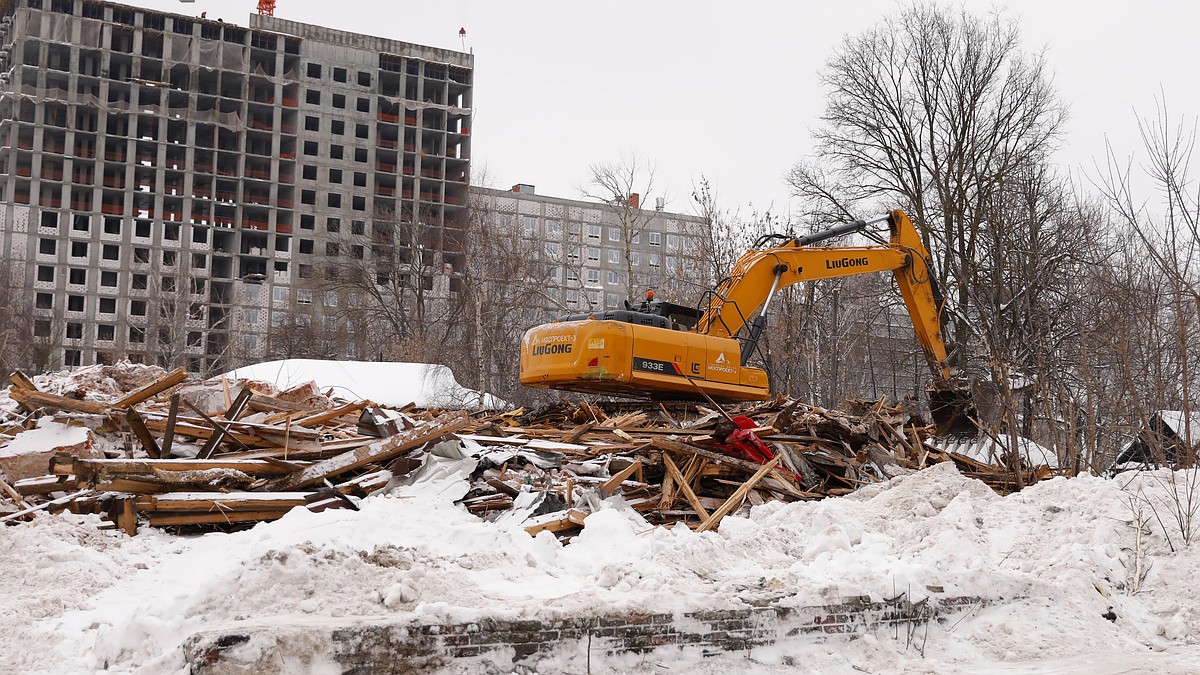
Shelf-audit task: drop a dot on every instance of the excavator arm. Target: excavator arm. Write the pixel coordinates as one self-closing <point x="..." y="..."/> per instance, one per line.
<point x="759" y="274"/>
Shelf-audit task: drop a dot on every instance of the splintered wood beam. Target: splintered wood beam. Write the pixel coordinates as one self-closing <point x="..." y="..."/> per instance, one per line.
<point x="667" y="498"/>
<point x="690" y="496"/>
<point x="36" y="399"/>
<point x="609" y="486"/>
<point x="169" y="433"/>
<point x="156" y="387"/>
<point x="44" y="485"/>
<point x="138" y="426"/>
<point x="44" y="506"/>
<point x="780" y="480"/>
<point x="502" y="486"/>
<point x="239" y="404"/>
<point x="21" y="381"/>
<point x="736" y="498"/>
<point x="124" y="515"/>
<point x="12" y="493"/>
<point x="577" y="432"/>
<point x="221" y="432"/>
<point x="379" y="451"/>
<point x="573" y="518"/>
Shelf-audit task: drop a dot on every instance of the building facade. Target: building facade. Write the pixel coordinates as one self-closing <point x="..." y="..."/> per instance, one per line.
<point x="596" y="255"/>
<point x="167" y="182"/>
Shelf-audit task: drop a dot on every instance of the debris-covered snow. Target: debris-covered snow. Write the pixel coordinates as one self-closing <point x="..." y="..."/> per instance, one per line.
<point x="425" y="385"/>
<point x="1053" y="559"/>
<point x="47" y="435"/>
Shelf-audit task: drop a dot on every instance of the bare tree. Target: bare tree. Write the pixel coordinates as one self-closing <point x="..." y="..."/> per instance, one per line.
<point x="936" y="111"/>
<point x="391" y="282"/>
<point x="1170" y="243"/>
<point x="16" y="330"/>
<point x="181" y="323"/>
<point x="623" y="186"/>
<point x="506" y="287"/>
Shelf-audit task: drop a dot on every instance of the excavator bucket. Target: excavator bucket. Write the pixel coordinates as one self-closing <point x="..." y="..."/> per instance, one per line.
<point x="953" y="412"/>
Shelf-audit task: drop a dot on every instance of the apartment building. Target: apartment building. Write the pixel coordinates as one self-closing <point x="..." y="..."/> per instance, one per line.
<point x="597" y="255"/>
<point x="167" y="182"/>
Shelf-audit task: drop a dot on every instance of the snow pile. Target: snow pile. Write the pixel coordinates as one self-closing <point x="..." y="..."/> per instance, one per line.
<point x="1053" y="560"/>
<point x="386" y="383"/>
<point x="46" y="436"/>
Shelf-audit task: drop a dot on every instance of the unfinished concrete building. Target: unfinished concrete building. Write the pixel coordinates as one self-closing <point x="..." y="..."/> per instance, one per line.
<point x="167" y="181"/>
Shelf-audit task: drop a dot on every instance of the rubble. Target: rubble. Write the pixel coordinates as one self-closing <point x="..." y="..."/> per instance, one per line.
<point x="169" y="452"/>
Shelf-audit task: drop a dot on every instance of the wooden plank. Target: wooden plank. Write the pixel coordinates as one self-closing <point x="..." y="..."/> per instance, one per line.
<point x="239" y="404"/>
<point x="379" y="451"/>
<point x="21" y="381"/>
<point x="577" y="432"/>
<point x="157" y="421"/>
<point x="189" y="430"/>
<point x="130" y="485"/>
<point x="332" y="413"/>
<point x="12" y="494"/>
<point x="222" y="501"/>
<point x="231" y="413"/>
<point x="61" y="501"/>
<point x="785" y="479"/>
<point x="44" y="485"/>
<point x="609" y="486"/>
<point x="126" y="517"/>
<point x="502" y="486"/>
<point x="736" y="498"/>
<point x="572" y="519"/>
<point x="169" y="432"/>
<point x="138" y="426"/>
<point x="667" y="497"/>
<point x="37" y="399"/>
<point x="221" y="432"/>
<point x="225" y="517"/>
<point x="160" y="385"/>
<point x="682" y="482"/>
<point x="70" y="465"/>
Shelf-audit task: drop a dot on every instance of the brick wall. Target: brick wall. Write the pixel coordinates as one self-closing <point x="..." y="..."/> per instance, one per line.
<point x="406" y="647"/>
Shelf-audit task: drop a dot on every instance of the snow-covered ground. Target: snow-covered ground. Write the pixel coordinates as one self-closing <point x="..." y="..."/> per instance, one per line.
<point x="1054" y="558"/>
<point x="384" y="382"/>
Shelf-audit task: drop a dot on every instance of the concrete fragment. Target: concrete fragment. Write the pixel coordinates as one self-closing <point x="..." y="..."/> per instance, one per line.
<point x="29" y="453"/>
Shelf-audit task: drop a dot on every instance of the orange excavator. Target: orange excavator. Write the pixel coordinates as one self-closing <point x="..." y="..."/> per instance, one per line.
<point x="660" y="350"/>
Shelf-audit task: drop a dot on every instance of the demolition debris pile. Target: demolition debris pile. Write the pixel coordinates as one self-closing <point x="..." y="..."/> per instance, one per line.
<point x="146" y="447"/>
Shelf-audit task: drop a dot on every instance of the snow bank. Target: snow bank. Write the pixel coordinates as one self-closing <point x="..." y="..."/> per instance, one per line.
<point x="1052" y="559"/>
<point x="383" y="382"/>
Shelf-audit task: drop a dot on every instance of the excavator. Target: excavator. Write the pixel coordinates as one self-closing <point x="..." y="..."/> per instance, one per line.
<point x="664" y="351"/>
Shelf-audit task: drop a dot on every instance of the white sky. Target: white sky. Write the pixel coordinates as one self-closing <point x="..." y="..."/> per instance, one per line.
<point x="729" y="89"/>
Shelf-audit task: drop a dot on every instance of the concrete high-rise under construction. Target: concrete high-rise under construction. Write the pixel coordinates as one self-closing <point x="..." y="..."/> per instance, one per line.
<point x="167" y="181"/>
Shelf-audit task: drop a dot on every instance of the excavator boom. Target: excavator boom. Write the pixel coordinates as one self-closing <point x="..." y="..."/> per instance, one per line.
<point x="663" y="351"/>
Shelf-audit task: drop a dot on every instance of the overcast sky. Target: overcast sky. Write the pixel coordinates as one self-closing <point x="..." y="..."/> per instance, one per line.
<point x="730" y="89"/>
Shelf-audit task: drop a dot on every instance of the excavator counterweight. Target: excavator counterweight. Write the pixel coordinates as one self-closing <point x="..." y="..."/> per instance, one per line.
<point x="660" y="350"/>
